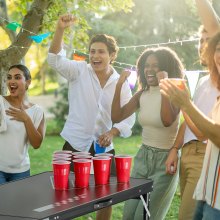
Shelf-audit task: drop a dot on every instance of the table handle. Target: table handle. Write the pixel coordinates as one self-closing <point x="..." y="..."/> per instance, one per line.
<point x="103" y="204"/>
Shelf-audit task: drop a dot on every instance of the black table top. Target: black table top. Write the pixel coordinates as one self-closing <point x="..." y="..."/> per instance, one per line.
<point x="35" y="198"/>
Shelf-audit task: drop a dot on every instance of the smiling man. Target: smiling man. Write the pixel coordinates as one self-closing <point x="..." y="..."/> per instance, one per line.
<point x="90" y="94"/>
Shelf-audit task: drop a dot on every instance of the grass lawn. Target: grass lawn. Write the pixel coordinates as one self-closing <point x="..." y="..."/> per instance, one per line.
<point x="41" y="161"/>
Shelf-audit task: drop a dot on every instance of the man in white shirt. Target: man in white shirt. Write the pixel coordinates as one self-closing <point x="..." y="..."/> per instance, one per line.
<point x="90" y="94"/>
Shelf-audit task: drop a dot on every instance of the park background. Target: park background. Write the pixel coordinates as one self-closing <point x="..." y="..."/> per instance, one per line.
<point x="136" y="24"/>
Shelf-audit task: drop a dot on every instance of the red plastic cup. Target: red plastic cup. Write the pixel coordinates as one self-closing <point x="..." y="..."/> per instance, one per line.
<point x="101" y="169"/>
<point x="83" y="156"/>
<point x="123" y="167"/>
<point x="63" y="152"/>
<point x="62" y="156"/>
<point x="80" y="153"/>
<point x="61" y="169"/>
<point x="106" y="155"/>
<point x="82" y="172"/>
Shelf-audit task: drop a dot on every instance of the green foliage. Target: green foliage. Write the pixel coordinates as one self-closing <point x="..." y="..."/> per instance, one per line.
<point x="36" y="88"/>
<point x="164" y="21"/>
<point x="60" y="110"/>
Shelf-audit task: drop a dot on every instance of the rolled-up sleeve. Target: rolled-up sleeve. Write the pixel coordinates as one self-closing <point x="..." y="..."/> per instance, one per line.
<point x="126" y="125"/>
<point x="66" y="67"/>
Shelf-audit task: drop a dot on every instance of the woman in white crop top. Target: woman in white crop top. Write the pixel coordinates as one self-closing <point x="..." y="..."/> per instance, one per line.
<point x="159" y="120"/>
<point x="22" y="123"/>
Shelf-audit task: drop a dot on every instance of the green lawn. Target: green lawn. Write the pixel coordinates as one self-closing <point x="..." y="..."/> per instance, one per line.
<point x="41" y="161"/>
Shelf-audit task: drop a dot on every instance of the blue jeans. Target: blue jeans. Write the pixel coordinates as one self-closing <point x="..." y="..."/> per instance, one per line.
<point x="204" y="211"/>
<point x="7" y="177"/>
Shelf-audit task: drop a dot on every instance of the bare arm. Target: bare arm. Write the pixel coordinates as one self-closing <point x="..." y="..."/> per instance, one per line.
<point x="168" y="111"/>
<point x="206" y="125"/>
<point x="64" y="22"/>
<point x="119" y="113"/>
<point x="181" y="98"/>
<point x="208" y="16"/>
<point x="172" y="159"/>
<point x="35" y="136"/>
<point x="200" y="136"/>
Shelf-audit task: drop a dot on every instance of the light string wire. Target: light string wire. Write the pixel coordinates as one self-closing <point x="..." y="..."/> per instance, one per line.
<point x="160" y="44"/>
<point x="121" y="47"/>
<point x="22" y="29"/>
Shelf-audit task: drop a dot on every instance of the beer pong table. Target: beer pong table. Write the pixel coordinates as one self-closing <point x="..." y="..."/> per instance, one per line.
<point x="35" y="198"/>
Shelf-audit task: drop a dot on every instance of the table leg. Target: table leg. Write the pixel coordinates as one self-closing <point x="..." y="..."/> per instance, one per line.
<point x="146" y="198"/>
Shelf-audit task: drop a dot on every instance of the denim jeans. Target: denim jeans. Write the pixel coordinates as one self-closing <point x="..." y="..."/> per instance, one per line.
<point x="7" y="177"/>
<point x="204" y="211"/>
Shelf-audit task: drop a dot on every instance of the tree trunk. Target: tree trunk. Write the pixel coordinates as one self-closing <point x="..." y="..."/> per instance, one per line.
<point x="19" y="47"/>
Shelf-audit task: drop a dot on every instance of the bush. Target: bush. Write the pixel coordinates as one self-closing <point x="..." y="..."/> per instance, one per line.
<point x="60" y="110"/>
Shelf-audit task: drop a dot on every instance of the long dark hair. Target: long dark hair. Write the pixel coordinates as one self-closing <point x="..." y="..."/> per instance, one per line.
<point x="167" y="59"/>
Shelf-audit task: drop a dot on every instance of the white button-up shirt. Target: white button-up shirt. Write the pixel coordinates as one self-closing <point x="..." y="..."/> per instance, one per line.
<point x="89" y="104"/>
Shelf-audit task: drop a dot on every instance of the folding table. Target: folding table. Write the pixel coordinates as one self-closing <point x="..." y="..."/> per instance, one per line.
<point x="35" y="197"/>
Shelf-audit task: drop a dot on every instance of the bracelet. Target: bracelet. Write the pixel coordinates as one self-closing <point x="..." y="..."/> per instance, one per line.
<point x="175" y="147"/>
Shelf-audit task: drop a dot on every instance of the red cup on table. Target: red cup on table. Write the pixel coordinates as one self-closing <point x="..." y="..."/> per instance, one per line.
<point x="101" y="167"/>
<point x="80" y="153"/>
<point x="62" y="157"/>
<point x="61" y="169"/>
<point x="83" y="156"/>
<point x="63" y="152"/>
<point x="82" y="172"/>
<point x="104" y="154"/>
<point x="123" y="168"/>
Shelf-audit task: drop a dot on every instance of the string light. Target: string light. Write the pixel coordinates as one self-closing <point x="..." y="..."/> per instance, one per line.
<point x="22" y="29"/>
<point x="160" y="44"/>
<point x="134" y="47"/>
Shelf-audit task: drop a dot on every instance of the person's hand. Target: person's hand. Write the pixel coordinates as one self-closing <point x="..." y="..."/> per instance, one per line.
<point x="179" y="97"/>
<point x="172" y="161"/>
<point x="17" y="114"/>
<point x="106" y="139"/>
<point x="66" y="21"/>
<point x="161" y="75"/>
<point x="123" y="76"/>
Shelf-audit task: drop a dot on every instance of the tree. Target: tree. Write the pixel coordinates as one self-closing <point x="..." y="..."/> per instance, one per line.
<point x="159" y="21"/>
<point x="41" y="15"/>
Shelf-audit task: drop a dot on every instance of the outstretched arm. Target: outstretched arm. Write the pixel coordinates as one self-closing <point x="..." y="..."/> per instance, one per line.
<point x="208" y="16"/>
<point x="63" y="22"/>
<point x="200" y="136"/>
<point x="207" y="126"/>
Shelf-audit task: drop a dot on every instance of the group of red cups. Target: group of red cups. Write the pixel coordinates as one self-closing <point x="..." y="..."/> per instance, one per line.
<point x="83" y="162"/>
